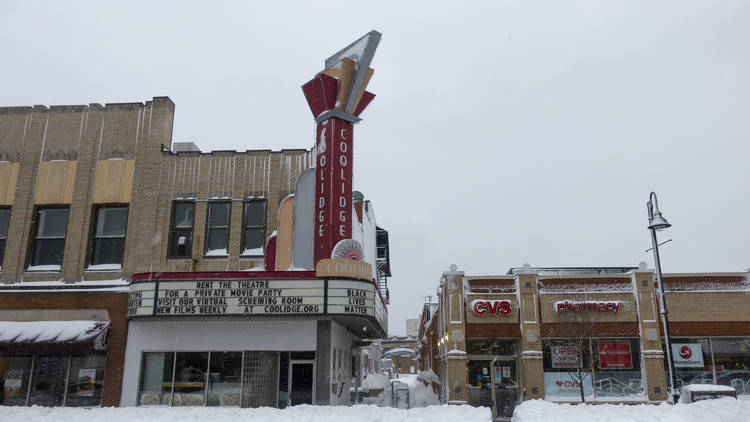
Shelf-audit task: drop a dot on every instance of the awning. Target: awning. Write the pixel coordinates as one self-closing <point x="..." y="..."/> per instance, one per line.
<point x="52" y="337"/>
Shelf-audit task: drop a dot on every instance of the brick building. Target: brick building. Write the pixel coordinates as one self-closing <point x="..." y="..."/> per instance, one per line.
<point x="530" y="333"/>
<point x="103" y="219"/>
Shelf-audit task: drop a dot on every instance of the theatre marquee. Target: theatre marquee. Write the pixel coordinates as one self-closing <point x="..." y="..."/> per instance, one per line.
<point x="254" y="296"/>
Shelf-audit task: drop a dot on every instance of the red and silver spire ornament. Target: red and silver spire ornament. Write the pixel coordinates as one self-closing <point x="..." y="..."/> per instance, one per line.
<point x="337" y="97"/>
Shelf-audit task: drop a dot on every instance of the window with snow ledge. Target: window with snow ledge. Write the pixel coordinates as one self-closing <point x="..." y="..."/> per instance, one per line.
<point x="217" y="239"/>
<point x="104" y="267"/>
<point x="253" y="235"/>
<point x="48" y="244"/>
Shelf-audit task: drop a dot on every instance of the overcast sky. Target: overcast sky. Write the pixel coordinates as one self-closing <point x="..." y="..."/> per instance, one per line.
<point x="502" y="132"/>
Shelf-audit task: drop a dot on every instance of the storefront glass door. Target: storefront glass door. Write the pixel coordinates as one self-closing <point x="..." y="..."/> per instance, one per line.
<point x="301" y="382"/>
<point x="505" y="383"/>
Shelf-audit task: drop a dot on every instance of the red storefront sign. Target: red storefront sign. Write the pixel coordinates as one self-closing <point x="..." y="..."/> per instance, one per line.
<point x="615" y="355"/>
<point x="491" y="307"/>
<point x="333" y="186"/>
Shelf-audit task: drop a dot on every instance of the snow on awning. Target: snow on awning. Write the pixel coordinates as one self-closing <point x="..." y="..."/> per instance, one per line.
<point x="401" y="351"/>
<point x="52" y="337"/>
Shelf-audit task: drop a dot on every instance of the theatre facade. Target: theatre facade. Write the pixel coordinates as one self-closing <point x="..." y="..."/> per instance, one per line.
<point x="141" y="272"/>
<point x="545" y="333"/>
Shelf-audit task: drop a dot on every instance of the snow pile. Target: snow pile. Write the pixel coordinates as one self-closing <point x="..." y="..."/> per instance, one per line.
<point x="375" y="381"/>
<point x="719" y="410"/>
<point x="362" y="413"/>
<point x="421" y="392"/>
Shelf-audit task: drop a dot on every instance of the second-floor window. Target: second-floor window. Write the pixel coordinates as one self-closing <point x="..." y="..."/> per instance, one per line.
<point x="181" y="235"/>
<point x="4" y="221"/>
<point x="217" y="240"/>
<point x="109" y="235"/>
<point x="48" y="243"/>
<point x="255" y="227"/>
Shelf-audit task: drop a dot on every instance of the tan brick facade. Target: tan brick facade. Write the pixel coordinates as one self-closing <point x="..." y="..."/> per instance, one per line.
<point x="80" y="157"/>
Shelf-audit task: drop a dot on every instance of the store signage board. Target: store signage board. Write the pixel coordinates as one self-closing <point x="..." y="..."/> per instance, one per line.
<point x="587" y="306"/>
<point x="491" y="307"/>
<point x="565" y="356"/>
<point x="687" y="355"/>
<point x="615" y="355"/>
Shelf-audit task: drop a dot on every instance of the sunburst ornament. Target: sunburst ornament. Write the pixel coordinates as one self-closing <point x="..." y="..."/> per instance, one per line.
<point x="348" y="249"/>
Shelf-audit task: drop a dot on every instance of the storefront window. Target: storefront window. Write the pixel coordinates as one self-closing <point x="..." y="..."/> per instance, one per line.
<point x="85" y="380"/>
<point x="732" y="363"/>
<point x="190" y="378"/>
<point x="48" y="381"/>
<point x="567" y="366"/>
<point x="692" y="361"/>
<point x="14" y="374"/>
<point x="617" y="369"/>
<point x="491" y="347"/>
<point x="224" y="379"/>
<point x="479" y="373"/>
<point x="156" y="378"/>
<point x="607" y="368"/>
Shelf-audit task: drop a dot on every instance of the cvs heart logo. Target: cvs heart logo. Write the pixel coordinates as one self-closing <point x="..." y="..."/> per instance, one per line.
<point x="559" y="383"/>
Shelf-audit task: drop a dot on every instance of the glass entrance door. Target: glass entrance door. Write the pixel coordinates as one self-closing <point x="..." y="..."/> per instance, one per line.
<point x="505" y="387"/>
<point x="301" y="382"/>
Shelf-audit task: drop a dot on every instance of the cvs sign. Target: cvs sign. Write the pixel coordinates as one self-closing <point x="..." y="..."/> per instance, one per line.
<point x="491" y="307"/>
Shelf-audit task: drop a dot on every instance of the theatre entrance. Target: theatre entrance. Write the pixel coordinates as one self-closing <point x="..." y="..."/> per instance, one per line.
<point x="301" y="382"/>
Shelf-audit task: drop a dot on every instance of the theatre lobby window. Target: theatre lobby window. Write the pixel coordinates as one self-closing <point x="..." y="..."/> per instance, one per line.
<point x="255" y="378"/>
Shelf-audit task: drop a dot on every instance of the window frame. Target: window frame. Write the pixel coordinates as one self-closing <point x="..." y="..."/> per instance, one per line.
<point x="172" y="229"/>
<point x="245" y="227"/>
<point x="93" y="237"/>
<point x="34" y="239"/>
<point x="228" y="228"/>
<point x="4" y="239"/>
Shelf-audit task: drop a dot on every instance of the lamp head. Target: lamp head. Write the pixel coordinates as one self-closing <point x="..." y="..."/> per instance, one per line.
<point x="658" y="222"/>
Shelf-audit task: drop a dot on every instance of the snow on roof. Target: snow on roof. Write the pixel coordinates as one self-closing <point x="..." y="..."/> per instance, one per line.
<point x="585" y="288"/>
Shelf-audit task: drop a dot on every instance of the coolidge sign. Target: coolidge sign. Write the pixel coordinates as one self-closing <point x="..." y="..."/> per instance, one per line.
<point x="333" y="186"/>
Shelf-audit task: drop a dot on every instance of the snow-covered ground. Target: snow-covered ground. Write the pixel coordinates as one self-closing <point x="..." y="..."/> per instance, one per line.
<point x="720" y="410"/>
<point x="363" y="413"/>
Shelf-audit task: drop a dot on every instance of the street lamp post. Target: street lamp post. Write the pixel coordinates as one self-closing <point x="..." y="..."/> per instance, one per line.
<point x="656" y="222"/>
